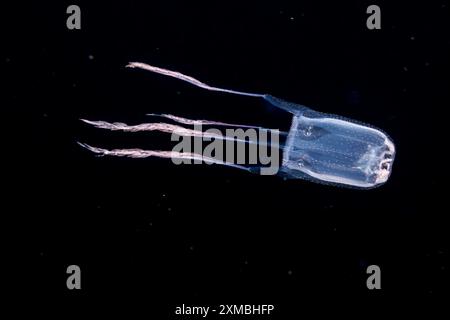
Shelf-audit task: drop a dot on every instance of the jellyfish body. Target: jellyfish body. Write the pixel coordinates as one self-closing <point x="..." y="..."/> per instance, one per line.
<point x="319" y="147"/>
<point x="330" y="149"/>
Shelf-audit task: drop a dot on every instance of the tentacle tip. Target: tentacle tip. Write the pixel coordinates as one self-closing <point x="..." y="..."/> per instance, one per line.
<point x="92" y="123"/>
<point x="84" y="145"/>
<point x="98" y="152"/>
<point x="131" y="65"/>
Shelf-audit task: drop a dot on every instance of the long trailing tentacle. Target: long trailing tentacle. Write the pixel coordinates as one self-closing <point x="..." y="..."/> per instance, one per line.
<point x="141" y="153"/>
<point x="206" y="122"/>
<point x="189" y="79"/>
<point x="167" y="128"/>
<point x="163" y="127"/>
<point x="276" y="102"/>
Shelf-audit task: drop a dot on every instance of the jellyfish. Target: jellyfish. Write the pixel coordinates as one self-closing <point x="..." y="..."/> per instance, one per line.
<point x="318" y="147"/>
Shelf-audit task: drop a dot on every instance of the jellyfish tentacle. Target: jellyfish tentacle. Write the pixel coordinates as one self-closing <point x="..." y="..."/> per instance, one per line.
<point x="167" y="128"/>
<point x="191" y="80"/>
<point x="163" y="127"/>
<point x="276" y="102"/>
<point x="207" y="122"/>
<point x="142" y="153"/>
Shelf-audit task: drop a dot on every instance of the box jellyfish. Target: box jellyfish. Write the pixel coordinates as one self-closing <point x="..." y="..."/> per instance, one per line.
<point x="319" y="147"/>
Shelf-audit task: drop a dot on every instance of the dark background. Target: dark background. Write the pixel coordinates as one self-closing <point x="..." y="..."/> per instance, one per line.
<point x="151" y="235"/>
